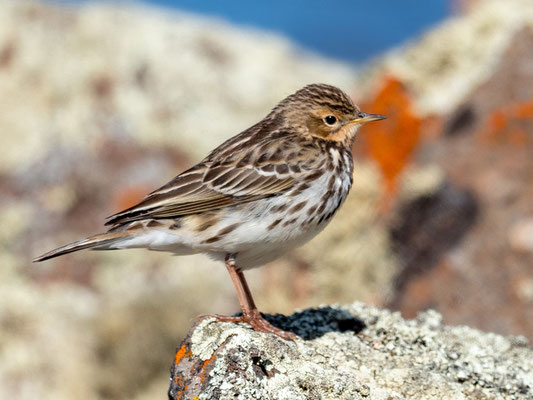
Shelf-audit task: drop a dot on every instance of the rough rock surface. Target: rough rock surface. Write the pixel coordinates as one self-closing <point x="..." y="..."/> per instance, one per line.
<point x="351" y="352"/>
<point x="103" y="102"/>
<point x="490" y="256"/>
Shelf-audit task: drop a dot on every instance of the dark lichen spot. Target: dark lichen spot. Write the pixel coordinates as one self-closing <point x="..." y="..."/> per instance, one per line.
<point x="461" y="121"/>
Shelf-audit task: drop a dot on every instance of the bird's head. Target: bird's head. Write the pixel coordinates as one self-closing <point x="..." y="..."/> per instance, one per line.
<point x="324" y="112"/>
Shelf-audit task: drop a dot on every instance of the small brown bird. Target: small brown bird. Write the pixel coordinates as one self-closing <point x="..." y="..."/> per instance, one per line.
<point x="261" y="193"/>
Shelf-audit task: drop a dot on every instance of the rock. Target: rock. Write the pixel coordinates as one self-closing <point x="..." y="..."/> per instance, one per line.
<point x="351" y="352"/>
<point x="521" y="236"/>
<point x="100" y="97"/>
<point x="154" y="76"/>
<point x="427" y="227"/>
<point x="485" y="151"/>
<point x="445" y="65"/>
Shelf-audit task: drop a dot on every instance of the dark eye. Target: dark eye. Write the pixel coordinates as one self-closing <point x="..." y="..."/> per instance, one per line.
<point x="330" y="120"/>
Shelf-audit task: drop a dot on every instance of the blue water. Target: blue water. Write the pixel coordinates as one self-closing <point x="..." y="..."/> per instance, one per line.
<point x="353" y="30"/>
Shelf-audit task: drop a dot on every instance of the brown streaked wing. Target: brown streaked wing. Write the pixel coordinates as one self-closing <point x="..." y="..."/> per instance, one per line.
<point x="225" y="185"/>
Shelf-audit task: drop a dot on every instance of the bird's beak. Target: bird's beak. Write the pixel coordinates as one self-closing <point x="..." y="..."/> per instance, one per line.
<point x="363" y="118"/>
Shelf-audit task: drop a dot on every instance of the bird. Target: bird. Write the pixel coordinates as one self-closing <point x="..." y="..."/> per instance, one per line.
<point x="267" y="190"/>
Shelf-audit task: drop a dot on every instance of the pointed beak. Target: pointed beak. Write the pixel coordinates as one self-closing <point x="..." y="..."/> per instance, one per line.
<point x="363" y="118"/>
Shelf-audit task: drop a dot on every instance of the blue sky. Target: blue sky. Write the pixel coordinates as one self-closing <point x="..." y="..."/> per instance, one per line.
<point x="353" y="30"/>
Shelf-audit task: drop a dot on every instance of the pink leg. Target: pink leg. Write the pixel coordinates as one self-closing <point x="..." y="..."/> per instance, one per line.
<point x="250" y="313"/>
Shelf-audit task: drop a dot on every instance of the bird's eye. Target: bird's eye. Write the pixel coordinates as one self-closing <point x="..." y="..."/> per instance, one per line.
<point x="330" y="120"/>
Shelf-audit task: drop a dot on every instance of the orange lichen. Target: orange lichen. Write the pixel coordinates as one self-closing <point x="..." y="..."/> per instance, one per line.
<point x="391" y="142"/>
<point x="523" y="110"/>
<point x="498" y="120"/>
<point x="203" y="373"/>
<point x="501" y="124"/>
<point x="182" y="352"/>
<point x="179" y="381"/>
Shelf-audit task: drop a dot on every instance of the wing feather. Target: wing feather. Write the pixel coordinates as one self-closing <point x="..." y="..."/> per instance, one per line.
<point x="224" y="179"/>
<point x="225" y="186"/>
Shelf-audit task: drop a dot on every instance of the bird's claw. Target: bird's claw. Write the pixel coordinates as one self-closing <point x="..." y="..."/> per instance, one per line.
<point x="256" y="321"/>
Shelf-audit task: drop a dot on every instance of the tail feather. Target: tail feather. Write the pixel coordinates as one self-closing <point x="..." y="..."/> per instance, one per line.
<point x="104" y="239"/>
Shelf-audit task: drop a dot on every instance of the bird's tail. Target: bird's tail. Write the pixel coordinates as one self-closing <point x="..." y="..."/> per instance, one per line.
<point x="100" y="241"/>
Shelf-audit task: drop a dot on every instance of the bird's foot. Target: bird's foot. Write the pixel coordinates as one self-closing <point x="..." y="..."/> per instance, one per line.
<point x="257" y="322"/>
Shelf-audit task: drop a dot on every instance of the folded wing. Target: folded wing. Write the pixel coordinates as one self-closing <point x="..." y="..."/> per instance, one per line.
<point x="206" y="188"/>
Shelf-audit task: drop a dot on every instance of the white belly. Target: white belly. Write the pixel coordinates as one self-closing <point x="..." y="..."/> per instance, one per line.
<point x="270" y="227"/>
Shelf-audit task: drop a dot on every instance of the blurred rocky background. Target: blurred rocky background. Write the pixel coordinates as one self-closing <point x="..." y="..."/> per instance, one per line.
<point x="102" y="103"/>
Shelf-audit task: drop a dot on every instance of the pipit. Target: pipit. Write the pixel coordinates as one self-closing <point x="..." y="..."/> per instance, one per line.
<point x="261" y="193"/>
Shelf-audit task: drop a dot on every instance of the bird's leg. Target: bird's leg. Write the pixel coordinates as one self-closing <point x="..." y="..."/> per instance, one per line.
<point x="243" y="291"/>
<point x="250" y="313"/>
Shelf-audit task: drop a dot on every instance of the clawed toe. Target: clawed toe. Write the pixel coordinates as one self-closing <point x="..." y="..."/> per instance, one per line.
<point x="256" y="322"/>
<point x="259" y="324"/>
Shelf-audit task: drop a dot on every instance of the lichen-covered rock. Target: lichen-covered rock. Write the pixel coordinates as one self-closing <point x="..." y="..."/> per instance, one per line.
<point x="442" y="67"/>
<point x="158" y="77"/>
<point x="351" y="352"/>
